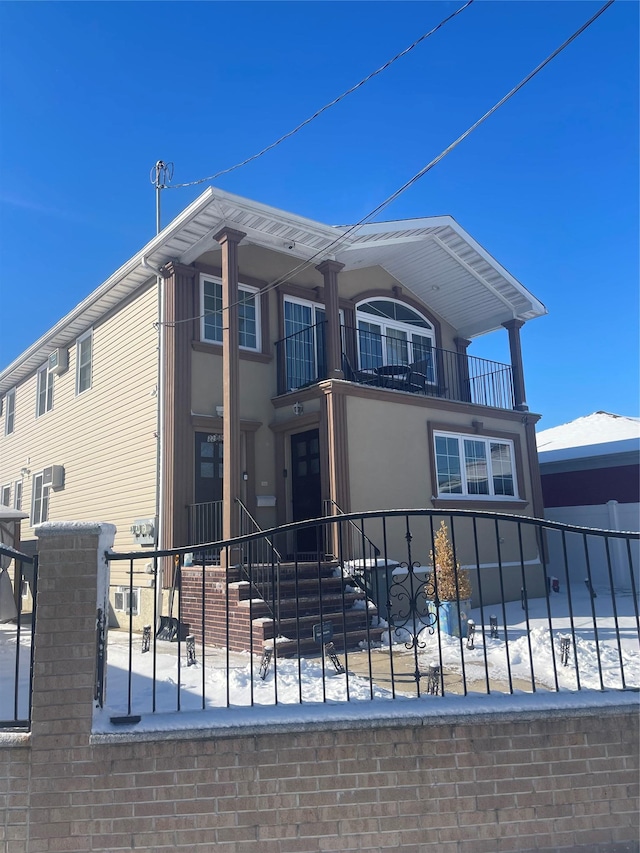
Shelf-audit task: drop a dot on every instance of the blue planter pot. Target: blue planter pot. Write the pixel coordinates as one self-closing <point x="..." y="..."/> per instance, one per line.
<point x="451" y="619"/>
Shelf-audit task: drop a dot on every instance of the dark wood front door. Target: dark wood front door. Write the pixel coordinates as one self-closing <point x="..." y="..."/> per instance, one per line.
<point x="205" y="520"/>
<point x="306" y="487"/>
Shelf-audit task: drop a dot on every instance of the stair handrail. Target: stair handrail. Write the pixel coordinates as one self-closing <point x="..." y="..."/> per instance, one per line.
<point x="277" y="561"/>
<point x="329" y="502"/>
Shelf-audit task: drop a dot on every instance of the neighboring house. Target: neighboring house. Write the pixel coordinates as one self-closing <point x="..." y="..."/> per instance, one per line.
<point x="590" y="471"/>
<point x="329" y="365"/>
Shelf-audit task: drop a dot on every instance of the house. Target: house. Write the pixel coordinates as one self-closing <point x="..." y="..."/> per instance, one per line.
<point x="590" y="472"/>
<point x="331" y="366"/>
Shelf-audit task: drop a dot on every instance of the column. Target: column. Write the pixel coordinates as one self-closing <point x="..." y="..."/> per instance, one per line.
<point x="229" y="240"/>
<point x="513" y="328"/>
<point x="333" y="344"/>
<point x="463" y="369"/>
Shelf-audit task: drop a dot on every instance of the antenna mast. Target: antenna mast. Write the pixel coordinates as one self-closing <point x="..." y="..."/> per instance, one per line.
<point x="159" y="176"/>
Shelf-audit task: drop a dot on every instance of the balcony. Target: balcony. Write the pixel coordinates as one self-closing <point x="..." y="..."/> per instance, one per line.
<point x="394" y="364"/>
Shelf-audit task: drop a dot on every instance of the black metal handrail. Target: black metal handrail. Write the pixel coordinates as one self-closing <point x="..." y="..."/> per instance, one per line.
<point x="261" y="563"/>
<point x="412" y="366"/>
<point x="20" y="697"/>
<point x="552" y="607"/>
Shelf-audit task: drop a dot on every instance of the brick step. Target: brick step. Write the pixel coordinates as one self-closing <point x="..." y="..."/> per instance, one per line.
<point x="306" y="645"/>
<point x="288" y="589"/>
<point x="355" y="620"/>
<point x="305" y="605"/>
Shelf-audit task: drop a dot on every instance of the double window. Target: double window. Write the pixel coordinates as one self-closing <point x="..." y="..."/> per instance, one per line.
<point x="212" y="315"/>
<point x="390" y="332"/>
<point x="304" y="332"/>
<point x="10" y="411"/>
<point x="84" y="357"/>
<point x="474" y="466"/>
<point x="39" y="500"/>
<point x="44" y="401"/>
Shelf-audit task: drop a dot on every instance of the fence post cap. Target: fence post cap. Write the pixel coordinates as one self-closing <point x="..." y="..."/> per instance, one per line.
<point x="74" y="528"/>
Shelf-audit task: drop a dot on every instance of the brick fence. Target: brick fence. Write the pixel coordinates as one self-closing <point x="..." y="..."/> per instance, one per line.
<point x="535" y="780"/>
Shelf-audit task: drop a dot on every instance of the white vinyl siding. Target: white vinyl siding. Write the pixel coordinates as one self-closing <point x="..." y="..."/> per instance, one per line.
<point x="10" y="411"/>
<point x="84" y="359"/>
<point x="474" y="466"/>
<point x="44" y="392"/>
<point x="248" y="313"/>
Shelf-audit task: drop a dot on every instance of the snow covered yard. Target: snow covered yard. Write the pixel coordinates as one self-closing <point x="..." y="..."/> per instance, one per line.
<point x="521" y="658"/>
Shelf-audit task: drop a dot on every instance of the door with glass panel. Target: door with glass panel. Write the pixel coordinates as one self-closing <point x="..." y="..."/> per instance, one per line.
<point x="206" y="516"/>
<point x="304" y="330"/>
<point x="306" y="487"/>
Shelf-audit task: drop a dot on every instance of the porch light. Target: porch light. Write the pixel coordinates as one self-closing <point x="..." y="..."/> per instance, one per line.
<point x="298" y="409"/>
<point x="220" y="411"/>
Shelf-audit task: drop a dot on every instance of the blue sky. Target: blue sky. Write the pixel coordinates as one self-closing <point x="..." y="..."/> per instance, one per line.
<point x="92" y="94"/>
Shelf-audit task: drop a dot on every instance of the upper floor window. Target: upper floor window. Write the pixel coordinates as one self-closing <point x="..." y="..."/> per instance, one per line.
<point x="45" y="391"/>
<point x="84" y="349"/>
<point x="390" y="332"/>
<point x="212" y="314"/>
<point x="39" y="500"/>
<point x="10" y="411"/>
<point x="474" y="466"/>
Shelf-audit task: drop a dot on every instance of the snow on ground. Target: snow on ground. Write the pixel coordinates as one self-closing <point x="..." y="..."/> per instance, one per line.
<point x="604" y="648"/>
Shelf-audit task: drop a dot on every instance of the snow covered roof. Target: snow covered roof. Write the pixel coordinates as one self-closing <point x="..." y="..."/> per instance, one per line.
<point x="598" y="434"/>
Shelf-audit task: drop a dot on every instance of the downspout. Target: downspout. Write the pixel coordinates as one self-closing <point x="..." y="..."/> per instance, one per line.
<point x="160" y="395"/>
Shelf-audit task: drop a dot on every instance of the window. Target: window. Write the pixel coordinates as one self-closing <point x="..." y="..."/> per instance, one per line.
<point x="39" y="500"/>
<point x="390" y="332"/>
<point x="5" y="495"/>
<point x="248" y="313"/>
<point x="45" y="391"/>
<point x="474" y="466"/>
<point x="84" y="348"/>
<point x="10" y="411"/>
<point x="17" y="494"/>
<point x="304" y="331"/>
<point x="127" y="600"/>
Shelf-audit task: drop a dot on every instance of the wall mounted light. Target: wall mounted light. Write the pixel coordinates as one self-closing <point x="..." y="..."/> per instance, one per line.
<point x="219" y="411"/>
<point x="298" y="409"/>
<point x="245" y="476"/>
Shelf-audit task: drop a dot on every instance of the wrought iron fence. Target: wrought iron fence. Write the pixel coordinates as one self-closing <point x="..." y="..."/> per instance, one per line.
<point x="453" y="603"/>
<point x="409" y="364"/>
<point x="18" y="589"/>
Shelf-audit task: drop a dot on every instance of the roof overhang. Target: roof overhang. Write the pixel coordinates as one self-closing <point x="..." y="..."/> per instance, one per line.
<point x="434" y="258"/>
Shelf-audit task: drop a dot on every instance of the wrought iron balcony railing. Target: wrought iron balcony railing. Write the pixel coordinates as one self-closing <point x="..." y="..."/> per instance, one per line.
<point x="399" y="364"/>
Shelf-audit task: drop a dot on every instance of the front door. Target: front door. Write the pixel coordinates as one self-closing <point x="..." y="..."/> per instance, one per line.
<point x="206" y="517"/>
<point x="306" y="490"/>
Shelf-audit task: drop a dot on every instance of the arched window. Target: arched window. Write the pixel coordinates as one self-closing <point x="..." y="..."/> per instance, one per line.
<point x="390" y="332"/>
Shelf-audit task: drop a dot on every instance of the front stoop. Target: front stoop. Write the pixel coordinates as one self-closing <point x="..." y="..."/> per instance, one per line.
<point x="310" y="593"/>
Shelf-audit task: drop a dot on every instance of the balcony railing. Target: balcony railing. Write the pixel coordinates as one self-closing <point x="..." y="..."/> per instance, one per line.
<point x="398" y="364"/>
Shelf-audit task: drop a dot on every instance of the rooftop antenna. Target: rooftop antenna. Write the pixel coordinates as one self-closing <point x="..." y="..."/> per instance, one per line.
<point x="159" y="176"/>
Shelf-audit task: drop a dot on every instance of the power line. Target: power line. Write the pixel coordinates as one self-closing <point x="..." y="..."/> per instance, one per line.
<point x="326" y="106"/>
<point x="350" y="230"/>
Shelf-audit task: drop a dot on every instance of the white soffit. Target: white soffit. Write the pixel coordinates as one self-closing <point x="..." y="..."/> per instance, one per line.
<point x="433" y="257"/>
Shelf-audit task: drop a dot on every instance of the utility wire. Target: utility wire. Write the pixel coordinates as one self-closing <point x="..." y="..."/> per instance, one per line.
<point x="350" y="230"/>
<point x="326" y="106"/>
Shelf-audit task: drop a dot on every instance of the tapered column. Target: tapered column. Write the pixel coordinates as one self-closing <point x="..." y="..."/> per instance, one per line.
<point x="330" y="270"/>
<point x="513" y="327"/>
<point x="229" y="239"/>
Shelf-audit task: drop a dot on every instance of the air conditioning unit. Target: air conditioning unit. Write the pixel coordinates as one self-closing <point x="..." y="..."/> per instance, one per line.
<point x="59" y="361"/>
<point x="53" y="476"/>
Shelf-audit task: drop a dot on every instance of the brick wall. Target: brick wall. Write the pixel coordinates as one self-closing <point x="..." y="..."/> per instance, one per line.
<point x="537" y="780"/>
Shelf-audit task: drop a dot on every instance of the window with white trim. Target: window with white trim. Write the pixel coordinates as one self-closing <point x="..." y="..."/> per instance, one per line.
<point x="5" y="495"/>
<point x="10" y="411"/>
<point x="474" y="466"/>
<point x="17" y="494"/>
<point x="44" y="400"/>
<point x="390" y="332"/>
<point x="84" y="358"/>
<point x="39" y="500"/>
<point x="127" y="600"/>
<point x="248" y="313"/>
